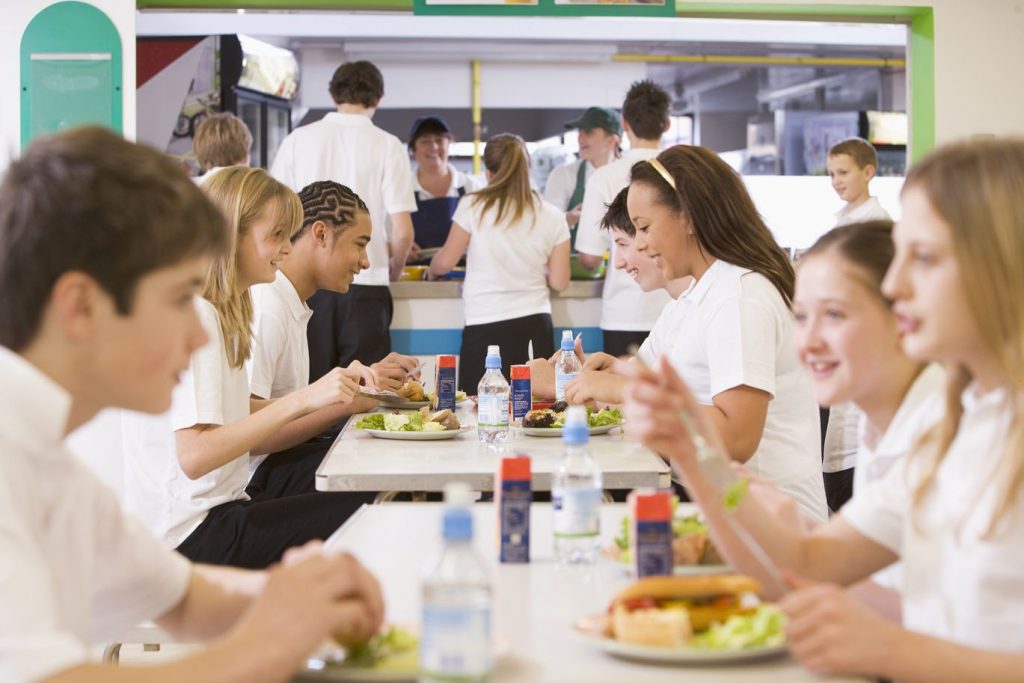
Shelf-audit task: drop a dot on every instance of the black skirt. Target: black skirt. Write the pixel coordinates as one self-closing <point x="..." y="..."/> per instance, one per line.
<point x="513" y="336"/>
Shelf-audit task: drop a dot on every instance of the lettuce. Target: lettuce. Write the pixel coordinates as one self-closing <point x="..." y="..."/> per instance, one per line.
<point x="374" y="421"/>
<point x="395" y="422"/>
<point x="605" y="417"/>
<point x="735" y="494"/>
<point x="762" y="628"/>
<point x="393" y="650"/>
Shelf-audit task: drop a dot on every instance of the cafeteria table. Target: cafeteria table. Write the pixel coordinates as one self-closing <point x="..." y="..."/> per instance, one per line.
<point x="357" y="461"/>
<point x="535" y="604"/>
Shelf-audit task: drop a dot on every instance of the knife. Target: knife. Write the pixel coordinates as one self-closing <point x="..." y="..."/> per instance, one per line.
<point x="384" y="397"/>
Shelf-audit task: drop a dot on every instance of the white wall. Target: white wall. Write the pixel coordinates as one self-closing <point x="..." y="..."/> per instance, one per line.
<point x="17" y="16"/>
<point x="978" y="54"/>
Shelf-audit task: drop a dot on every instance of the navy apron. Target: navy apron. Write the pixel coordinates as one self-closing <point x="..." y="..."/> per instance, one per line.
<point x="576" y="199"/>
<point x="433" y="219"/>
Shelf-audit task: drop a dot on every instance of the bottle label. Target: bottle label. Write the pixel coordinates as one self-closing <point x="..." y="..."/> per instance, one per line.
<point x="492" y="410"/>
<point x="562" y="379"/>
<point x="576" y="512"/>
<point x="456" y="642"/>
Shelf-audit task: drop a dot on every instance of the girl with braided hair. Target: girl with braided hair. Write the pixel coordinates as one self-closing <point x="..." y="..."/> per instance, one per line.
<point x="328" y="250"/>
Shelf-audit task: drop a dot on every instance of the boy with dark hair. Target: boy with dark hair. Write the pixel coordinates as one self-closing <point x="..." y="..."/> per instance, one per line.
<point x="627" y="313"/>
<point x="103" y="247"/>
<point x="327" y="253"/>
<point x="347" y="148"/>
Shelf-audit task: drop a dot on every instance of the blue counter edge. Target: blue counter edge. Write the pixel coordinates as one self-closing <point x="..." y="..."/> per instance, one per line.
<point x="430" y="342"/>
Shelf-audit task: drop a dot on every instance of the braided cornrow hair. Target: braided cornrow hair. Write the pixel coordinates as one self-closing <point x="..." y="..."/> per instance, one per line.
<point x="330" y="202"/>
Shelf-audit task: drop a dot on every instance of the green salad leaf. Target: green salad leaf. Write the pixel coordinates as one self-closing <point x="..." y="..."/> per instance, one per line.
<point x="605" y="417"/>
<point x="393" y="650"/>
<point x="688" y="526"/>
<point x="735" y="494"/>
<point x="374" y="421"/>
<point x="761" y="628"/>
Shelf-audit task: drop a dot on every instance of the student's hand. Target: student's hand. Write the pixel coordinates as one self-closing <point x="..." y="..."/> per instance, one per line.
<point x="572" y="216"/>
<point x="599" y="360"/>
<point x="414" y="253"/>
<point x="362" y="375"/>
<point x="395" y="269"/>
<point x="654" y="400"/>
<point x="542" y="379"/>
<point x="593" y="386"/>
<point x="309" y="598"/>
<point x="831" y="632"/>
<point x="334" y="387"/>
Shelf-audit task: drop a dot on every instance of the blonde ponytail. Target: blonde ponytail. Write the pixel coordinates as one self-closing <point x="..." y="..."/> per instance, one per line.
<point x="505" y="156"/>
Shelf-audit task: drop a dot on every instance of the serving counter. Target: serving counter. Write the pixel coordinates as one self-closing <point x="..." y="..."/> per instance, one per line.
<point x="429" y="318"/>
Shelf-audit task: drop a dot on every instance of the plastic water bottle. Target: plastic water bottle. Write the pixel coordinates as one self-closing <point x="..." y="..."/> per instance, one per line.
<point x="576" y="491"/>
<point x="567" y="367"/>
<point x="492" y="400"/>
<point x="455" y="642"/>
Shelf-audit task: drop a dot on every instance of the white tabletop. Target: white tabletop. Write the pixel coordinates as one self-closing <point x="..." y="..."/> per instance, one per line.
<point x="535" y="604"/>
<point x="360" y="462"/>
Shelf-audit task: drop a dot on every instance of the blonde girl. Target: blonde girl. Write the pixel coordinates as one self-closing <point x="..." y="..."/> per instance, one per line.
<point x="187" y="479"/>
<point x="517" y="247"/>
<point x="952" y="511"/>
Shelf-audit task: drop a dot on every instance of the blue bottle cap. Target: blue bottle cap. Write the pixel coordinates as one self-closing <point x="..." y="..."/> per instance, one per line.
<point x="458" y="524"/>
<point x="575" y="434"/>
<point x="492" y="363"/>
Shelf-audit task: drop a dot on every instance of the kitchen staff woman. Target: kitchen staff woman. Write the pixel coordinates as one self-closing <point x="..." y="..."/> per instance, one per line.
<point x="437" y="184"/>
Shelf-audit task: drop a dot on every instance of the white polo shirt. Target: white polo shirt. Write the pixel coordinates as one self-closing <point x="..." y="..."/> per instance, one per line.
<point x="349" y="149"/>
<point x="958" y="585"/>
<point x="280" y="355"/>
<point x="736" y="329"/>
<point x="156" y="489"/>
<point x="625" y="307"/>
<point x="663" y="335"/>
<point x="74" y="569"/>
<point x="460" y="181"/>
<point x="562" y="183"/>
<point x="506" y="264"/>
<point x="871" y="210"/>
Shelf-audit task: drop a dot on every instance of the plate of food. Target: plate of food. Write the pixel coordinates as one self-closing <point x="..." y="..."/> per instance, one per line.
<point x="391" y="656"/>
<point x="688" y="620"/>
<point x="415" y="396"/>
<point x="549" y="421"/>
<point x="693" y="551"/>
<point x="413" y="425"/>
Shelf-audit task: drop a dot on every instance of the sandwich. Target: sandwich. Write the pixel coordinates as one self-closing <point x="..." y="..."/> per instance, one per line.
<point x="668" y="611"/>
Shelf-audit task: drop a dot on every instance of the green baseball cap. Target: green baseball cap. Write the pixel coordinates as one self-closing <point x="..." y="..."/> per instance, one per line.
<point x="598" y="117"/>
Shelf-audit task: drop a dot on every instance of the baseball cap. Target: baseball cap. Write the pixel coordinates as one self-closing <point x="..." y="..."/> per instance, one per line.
<point x="598" y="117"/>
<point x="427" y="124"/>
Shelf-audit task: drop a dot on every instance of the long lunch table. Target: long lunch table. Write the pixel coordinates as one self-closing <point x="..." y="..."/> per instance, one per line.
<point x="359" y="462"/>
<point x="535" y="604"/>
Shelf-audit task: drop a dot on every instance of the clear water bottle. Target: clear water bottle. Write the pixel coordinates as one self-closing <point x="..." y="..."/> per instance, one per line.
<point x="567" y="366"/>
<point x="492" y="400"/>
<point x="576" y="490"/>
<point x="455" y="642"/>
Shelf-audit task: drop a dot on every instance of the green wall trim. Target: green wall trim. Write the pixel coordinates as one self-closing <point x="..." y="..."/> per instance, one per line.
<point x="920" y="18"/>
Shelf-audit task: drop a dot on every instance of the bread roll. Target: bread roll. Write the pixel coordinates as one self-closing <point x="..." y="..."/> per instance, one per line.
<point x="652" y="626"/>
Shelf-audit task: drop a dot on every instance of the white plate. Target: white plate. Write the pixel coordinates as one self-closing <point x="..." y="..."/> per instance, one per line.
<point x="418" y="436"/>
<point x="414" y="405"/>
<point x="591" y="630"/>
<point x="557" y="431"/>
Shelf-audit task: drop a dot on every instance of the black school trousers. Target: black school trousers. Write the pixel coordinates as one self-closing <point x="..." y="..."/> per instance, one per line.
<point x="513" y="336"/>
<point x="618" y="342"/>
<point x="347" y="327"/>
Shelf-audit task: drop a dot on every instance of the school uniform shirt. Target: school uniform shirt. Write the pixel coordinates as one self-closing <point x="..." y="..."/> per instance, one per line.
<point x="624" y="306"/>
<point x="74" y="569"/>
<point x="921" y="408"/>
<point x="200" y="179"/>
<point x="279" y="363"/>
<point x="871" y="210"/>
<point x="349" y="149"/>
<point x="506" y="264"/>
<point x="156" y="489"/>
<point x="460" y="181"/>
<point x="562" y="183"/>
<point x="959" y="585"/>
<point x="663" y="335"/>
<point x="736" y="329"/>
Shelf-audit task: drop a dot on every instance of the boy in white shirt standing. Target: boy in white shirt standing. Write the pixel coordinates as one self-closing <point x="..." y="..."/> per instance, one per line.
<point x="347" y="148"/>
<point x="851" y="166"/>
<point x="327" y="253"/>
<point x="103" y="247"/>
<point x="627" y="312"/>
